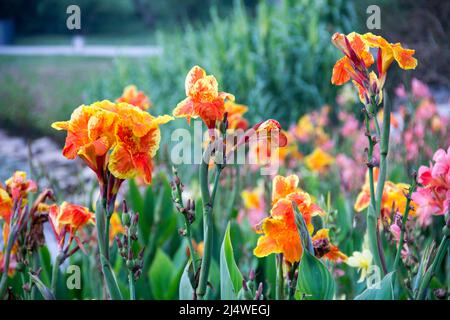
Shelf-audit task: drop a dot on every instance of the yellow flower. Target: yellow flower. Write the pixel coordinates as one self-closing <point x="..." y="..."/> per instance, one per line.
<point x="362" y="261"/>
<point x="318" y="160"/>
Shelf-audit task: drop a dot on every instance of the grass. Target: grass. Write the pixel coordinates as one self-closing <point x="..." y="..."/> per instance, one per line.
<point x="51" y="86"/>
<point x="36" y="90"/>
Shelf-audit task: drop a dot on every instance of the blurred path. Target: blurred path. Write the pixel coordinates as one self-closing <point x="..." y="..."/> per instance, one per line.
<point x="85" y="50"/>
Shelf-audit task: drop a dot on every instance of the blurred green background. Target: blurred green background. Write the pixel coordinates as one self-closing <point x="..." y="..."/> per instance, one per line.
<point x="275" y="56"/>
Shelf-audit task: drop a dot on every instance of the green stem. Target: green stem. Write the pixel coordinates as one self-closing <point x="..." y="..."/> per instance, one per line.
<point x="4" y="280"/>
<point x="372" y="217"/>
<point x="280" y="278"/>
<point x="292" y="281"/>
<point x="188" y="230"/>
<point x="432" y="270"/>
<point x="402" y="232"/>
<point x="55" y="272"/>
<point x="131" y="285"/>
<point x="208" y="202"/>
<point x="110" y="279"/>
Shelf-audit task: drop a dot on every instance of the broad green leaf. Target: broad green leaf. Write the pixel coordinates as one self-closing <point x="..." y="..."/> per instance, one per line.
<point x="160" y="275"/>
<point x="385" y="291"/>
<point x="314" y="280"/>
<point x="136" y="202"/>
<point x="186" y="290"/>
<point x="230" y="276"/>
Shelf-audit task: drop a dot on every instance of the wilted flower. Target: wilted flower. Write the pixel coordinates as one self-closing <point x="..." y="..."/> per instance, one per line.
<point x="203" y="98"/>
<point x="362" y="261"/>
<point x="324" y="248"/>
<point x="132" y="96"/>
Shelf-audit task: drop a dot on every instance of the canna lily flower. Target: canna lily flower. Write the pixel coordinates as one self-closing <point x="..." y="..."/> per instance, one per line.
<point x="203" y="98"/>
<point x="357" y="60"/>
<point x="283" y="186"/>
<point x="132" y="96"/>
<point x="19" y="186"/>
<point x="235" y="115"/>
<point x="362" y="261"/>
<point x="6" y="205"/>
<point x="280" y="234"/>
<point x="324" y="248"/>
<point x="433" y="197"/>
<point x="388" y="52"/>
<point x="90" y="134"/>
<point x="138" y="136"/>
<point x="393" y="198"/>
<point x="318" y="160"/>
<point x="66" y="220"/>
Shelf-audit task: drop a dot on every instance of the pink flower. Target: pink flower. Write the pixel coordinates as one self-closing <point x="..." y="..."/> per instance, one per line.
<point x="395" y="230"/>
<point x="433" y="198"/>
<point x="419" y="89"/>
<point x="401" y="92"/>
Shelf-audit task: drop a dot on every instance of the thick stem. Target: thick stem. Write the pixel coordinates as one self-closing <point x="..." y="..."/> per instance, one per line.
<point x="110" y="279"/>
<point x="280" y="278"/>
<point x="55" y="272"/>
<point x="131" y="285"/>
<point x="208" y="202"/>
<point x="372" y="216"/>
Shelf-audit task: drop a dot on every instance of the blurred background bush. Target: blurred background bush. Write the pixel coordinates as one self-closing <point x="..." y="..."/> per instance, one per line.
<point x="274" y="55"/>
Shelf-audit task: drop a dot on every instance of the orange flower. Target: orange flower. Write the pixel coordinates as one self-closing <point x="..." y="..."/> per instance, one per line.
<point x="388" y="52"/>
<point x="133" y="136"/>
<point x="203" y="98"/>
<point x="198" y="247"/>
<point x="6" y="205"/>
<point x="90" y="134"/>
<point x="19" y="186"/>
<point x="318" y="160"/>
<point x="354" y="65"/>
<point x="324" y="248"/>
<point x="393" y="198"/>
<point x="138" y="138"/>
<point x="116" y="226"/>
<point x="134" y="97"/>
<point x="235" y="116"/>
<point x="67" y="219"/>
<point x="357" y="58"/>
<point x="283" y="186"/>
<point x="280" y="234"/>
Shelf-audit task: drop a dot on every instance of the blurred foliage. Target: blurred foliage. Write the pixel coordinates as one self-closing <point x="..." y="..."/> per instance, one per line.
<point x="102" y="16"/>
<point x="278" y="62"/>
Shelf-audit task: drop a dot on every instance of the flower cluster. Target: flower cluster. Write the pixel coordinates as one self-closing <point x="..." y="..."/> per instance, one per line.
<point x="433" y="197"/>
<point x="280" y="233"/>
<point x="393" y="199"/>
<point x="358" y="59"/>
<point x="113" y="138"/>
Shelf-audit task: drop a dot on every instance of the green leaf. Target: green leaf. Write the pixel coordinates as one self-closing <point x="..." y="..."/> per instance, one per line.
<point x="230" y="276"/>
<point x="160" y="275"/>
<point x="186" y="290"/>
<point x="134" y="197"/>
<point x="314" y="280"/>
<point x="385" y="291"/>
<point x="46" y="292"/>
